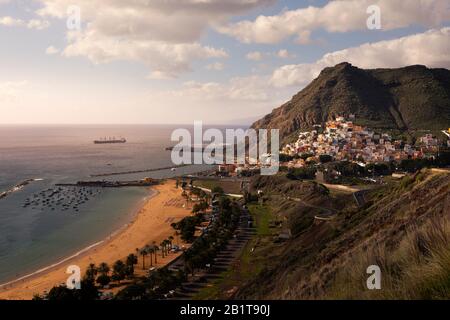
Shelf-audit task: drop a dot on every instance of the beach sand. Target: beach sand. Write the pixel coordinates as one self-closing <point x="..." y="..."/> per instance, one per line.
<point x="152" y="223"/>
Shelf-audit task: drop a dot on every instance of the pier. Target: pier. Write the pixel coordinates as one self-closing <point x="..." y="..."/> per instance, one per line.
<point x="135" y="171"/>
<point x="111" y="184"/>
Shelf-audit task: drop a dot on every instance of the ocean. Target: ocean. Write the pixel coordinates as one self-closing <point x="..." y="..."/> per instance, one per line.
<point x="41" y="224"/>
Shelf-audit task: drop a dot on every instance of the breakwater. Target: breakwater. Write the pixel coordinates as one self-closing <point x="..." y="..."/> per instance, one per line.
<point x="111" y="184"/>
<point x="17" y="187"/>
<point x="136" y="171"/>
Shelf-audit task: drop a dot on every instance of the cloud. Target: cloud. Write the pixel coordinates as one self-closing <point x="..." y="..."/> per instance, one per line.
<point x="11" y="91"/>
<point x="285" y="54"/>
<point x="166" y="60"/>
<point x="337" y="16"/>
<point x="249" y="89"/>
<point x="163" y="34"/>
<point x="242" y="97"/>
<point x="51" y="50"/>
<point x="253" y="95"/>
<point x="254" y="56"/>
<point x="256" y="94"/>
<point x="31" y="24"/>
<point x="11" y="22"/>
<point x="218" y="66"/>
<point x="430" y="48"/>
<point x="238" y="91"/>
<point x="38" y="24"/>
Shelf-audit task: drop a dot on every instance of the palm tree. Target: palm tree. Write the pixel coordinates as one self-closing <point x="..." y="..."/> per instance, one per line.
<point x="162" y="249"/>
<point x="208" y="198"/>
<point x="143" y="253"/>
<point x="103" y="269"/>
<point x="155" y="248"/>
<point x="170" y="242"/>
<point x="177" y="236"/>
<point x="151" y="251"/>
<point x="167" y="246"/>
<point x="131" y="260"/>
<point x="119" y="271"/>
<point x="148" y="250"/>
<point x="91" y="272"/>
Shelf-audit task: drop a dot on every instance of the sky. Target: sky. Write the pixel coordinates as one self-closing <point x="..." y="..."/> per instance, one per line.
<point x="177" y="61"/>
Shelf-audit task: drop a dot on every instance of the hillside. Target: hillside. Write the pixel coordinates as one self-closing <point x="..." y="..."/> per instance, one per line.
<point x="405" y="99"/>
<point x="403" y="228"/>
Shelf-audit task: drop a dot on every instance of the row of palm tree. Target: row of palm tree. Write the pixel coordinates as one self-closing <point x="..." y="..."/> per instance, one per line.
<point x="120" y="270"/>
<point x="151" y="250"/>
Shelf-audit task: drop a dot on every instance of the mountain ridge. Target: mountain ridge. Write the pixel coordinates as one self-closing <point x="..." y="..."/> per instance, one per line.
<point x="405" y="99"/>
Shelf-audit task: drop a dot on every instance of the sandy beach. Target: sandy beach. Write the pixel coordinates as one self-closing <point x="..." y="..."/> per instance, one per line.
<point x="152" y="223"/>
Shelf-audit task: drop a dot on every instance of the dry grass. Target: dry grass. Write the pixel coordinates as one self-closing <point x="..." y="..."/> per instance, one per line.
<point x="418" y="269"/>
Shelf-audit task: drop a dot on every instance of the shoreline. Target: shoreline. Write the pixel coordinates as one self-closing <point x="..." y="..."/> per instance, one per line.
<point x="81" y="252"/>
<point x="149" y="216"/>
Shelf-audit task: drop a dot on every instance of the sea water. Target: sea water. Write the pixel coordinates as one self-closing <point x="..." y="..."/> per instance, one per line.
<point x="34" y="233"/>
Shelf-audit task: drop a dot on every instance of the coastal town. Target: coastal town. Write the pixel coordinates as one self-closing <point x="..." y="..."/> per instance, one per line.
<point x="343" y="140"/>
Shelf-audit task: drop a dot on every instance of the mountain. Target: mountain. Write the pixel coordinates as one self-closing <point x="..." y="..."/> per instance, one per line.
<point x="406" y="99"/>
<point x="403" y="227"/>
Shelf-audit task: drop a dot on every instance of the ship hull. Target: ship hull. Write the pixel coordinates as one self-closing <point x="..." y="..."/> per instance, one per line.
<point x="108" y="142"/>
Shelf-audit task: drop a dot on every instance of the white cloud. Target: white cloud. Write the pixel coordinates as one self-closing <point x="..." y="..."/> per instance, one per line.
<point x="254" y="56"/>
<point x="430" y="48"/>
<point x="165" y="59"/>
<point x="51" y="50"/>
<point x="249" y="89"/>
<point x="31" y="24"/>
<point x="38" y="24"/>
<point x="11" y="90"/>
<point x="163" y="34"/>
<point x="253" y="95"/>
<point x="11" y="22"/>
<point x="217" y="66"/>
<point x="285" y="54"/>
<point x="338" y="16"/>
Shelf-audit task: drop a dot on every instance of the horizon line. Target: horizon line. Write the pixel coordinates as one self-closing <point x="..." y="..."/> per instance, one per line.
<point x="118" y="124"/>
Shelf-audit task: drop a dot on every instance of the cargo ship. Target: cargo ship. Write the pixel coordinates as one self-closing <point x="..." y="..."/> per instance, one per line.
<point x="110" y="140"/>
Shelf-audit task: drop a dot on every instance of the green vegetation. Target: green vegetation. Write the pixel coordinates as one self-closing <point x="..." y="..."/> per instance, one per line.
<point x="160" y="283"/>
<point x="87" y="292"/>
<point x="104" y="276"/>
<point x="325" y="158"/>
<point x="304" y="173"/>
<point x="119" y="271"/>
<point x="262" y="215"/>
<point x="187" y="227"/>
<point x="251" y="260"/>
